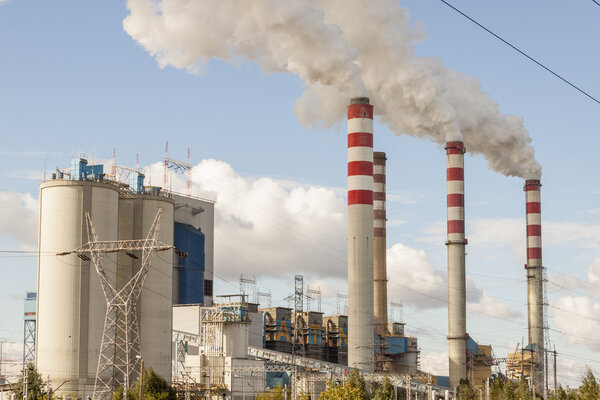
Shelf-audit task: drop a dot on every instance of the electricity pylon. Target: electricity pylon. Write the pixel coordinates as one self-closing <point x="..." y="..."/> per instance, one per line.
<point x="120" y="352"/>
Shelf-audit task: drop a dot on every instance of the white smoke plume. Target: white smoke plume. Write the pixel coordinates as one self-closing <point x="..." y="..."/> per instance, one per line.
<point x="341" y="50"/>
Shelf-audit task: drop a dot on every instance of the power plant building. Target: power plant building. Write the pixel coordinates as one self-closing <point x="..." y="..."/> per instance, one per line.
<point x="71" y="305"/>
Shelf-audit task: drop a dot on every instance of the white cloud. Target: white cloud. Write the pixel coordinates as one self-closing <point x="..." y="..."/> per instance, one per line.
<point x="413" y="279"/>
<point x="19" y="218"/>
<point x="273" y="227"/>
<point x="579" y="318"/>
<point x="435" y="363"/>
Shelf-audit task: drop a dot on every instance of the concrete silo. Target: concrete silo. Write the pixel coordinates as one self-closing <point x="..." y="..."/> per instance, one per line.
<point x="71" y="305"/>
<point x="155" y="312"/>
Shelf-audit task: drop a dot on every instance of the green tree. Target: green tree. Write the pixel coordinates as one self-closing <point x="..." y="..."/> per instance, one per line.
<point x="561" y="393"/>
<point x="36" y="387"/>
<point x="385" y="391"/>
<point x="354" y="389"/>
<point x="523" y="392"/>
<point x="272" y="394"/>
<point x="466" y="391"/>
<point x="509" y="391"/>
<point x="155" y="388"/>
<point x="589" y="389"/>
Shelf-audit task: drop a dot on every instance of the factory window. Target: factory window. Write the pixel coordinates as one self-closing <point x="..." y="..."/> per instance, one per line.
<point x="208" y="287"/>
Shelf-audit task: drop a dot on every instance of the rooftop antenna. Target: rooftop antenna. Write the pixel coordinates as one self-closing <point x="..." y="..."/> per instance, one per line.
<point x="166" y="166"/>
<point x="189" y="174"/>
<point x="114" y="164"/>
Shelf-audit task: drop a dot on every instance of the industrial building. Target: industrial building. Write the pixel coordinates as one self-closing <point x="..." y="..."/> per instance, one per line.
<point x="71" y="305"/>
<point x="232" y="348"/>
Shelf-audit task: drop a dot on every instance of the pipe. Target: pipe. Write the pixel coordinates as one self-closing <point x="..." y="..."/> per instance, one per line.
<point x="360" y="235"/>
<point x="457" y="319"/>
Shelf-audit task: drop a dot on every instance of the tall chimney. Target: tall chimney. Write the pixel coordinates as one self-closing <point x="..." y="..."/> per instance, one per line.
<point x="457" y="318"/>
<point x="534" y="267"/>
<point x="360" y="235"/>
<point x="379" y="242"/>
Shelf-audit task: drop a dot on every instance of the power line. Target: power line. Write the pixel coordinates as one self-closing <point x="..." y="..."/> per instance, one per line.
<point x="597" y="3"/>
<point x="522" y="52"/>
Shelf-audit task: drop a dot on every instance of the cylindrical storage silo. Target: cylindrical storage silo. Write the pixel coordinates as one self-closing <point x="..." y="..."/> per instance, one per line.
<point x="155" y="310"/>
<point x="71" y="304"/>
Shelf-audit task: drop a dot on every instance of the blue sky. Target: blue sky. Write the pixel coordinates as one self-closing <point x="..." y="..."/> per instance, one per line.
<point x="72" y="79"/>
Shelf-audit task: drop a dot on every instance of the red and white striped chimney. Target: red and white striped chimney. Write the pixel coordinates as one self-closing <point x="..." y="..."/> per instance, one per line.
<point x="379" y="243"/>
<point x="360" y="235"/>
<point x="534" y="267"/>
<point x="457" y="318"/>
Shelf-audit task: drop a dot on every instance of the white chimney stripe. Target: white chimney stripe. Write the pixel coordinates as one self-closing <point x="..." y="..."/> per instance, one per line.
<point x="454" y="161"/>
<point x="360" y="125"/>
<point x="378" y="205"/>
<point x="360" y="182"/>
<point x="378" y="169"/>
<point x="455" y="187"/>
<point x="456" y="213"/>
<point x="456" y="237"/>
<point x="534" y="241"/>
<point x="534" y="219"/>
<point x="378" y="187"/>
<point x="360" y="154"/>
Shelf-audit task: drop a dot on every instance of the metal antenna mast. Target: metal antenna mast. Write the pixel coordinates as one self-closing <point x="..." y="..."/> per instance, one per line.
<point x="178" y="167"/>
<point x="342" y="304"/>
<point x="248" y="287"/>
<point x="313" y="294"/>
<point x="120" y="352"/>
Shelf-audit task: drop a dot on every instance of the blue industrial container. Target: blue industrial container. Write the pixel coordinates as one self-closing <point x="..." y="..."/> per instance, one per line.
<point x="191" y="279"/>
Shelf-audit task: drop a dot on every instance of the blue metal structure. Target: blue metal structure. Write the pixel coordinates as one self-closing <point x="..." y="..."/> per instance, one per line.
<point x="191" y="282"/>
<point x="80" y="169"/>
<point x="136" y="182"/>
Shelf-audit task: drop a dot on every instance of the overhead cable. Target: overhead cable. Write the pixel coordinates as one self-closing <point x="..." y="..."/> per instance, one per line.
<point x="522" y="52"/>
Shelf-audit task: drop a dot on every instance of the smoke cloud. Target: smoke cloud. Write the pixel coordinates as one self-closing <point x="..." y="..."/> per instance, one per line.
<point x="360" y="47"/>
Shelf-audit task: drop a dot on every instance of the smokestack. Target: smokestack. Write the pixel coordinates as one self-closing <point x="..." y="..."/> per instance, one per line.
<point x="379" y="242"/>
<point x="534" y="267"/>
<point x="360" y="235"/>
<point x="457" y="318"/>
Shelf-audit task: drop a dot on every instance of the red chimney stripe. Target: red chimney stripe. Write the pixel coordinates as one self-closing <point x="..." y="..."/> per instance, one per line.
<point x="455" y="174"/>
<point x="534" y="253"/>
<point x="360" y="168"/>
<point x="534" y="230"/>
<point x="455" y="148"/>
<point x="379" y="232"/>
<point x="456" y="226"/>
<point x="456" y="200"/>
<point x="452" y="150"/>
<point x="534" y="207"/>
<point x="378" y="214"/>
<point x="532" y="184"/>
<point x="363" y="139"/>
<point x="360" y="197"/>
<point x="379" y="178"/>
<point x="379" y="160"/>
<point x="379" y="196"/>
<point x="360" y="111"/>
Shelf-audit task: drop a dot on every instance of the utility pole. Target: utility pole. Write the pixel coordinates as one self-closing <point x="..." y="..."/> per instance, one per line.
<point x="48" y="388"/>
<point x="555" y="384"/>
<point x="25" y="382"/>
<point x="141" y="379"/>
<point x="545" y="373"/>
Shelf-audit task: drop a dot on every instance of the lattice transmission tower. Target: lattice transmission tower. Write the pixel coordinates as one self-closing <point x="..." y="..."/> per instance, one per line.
<point x="119" y="362"/>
